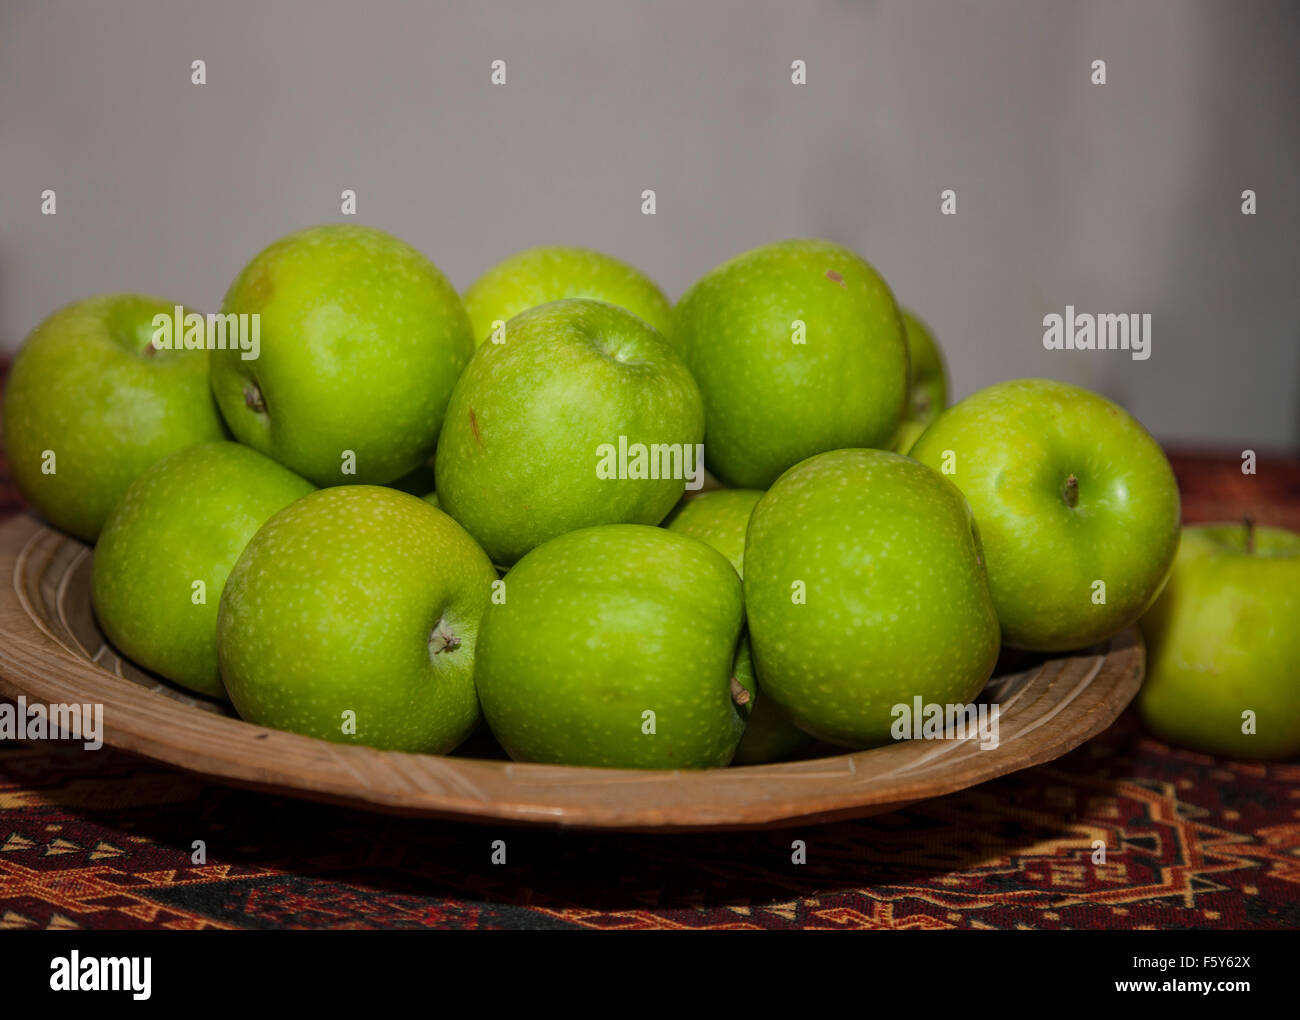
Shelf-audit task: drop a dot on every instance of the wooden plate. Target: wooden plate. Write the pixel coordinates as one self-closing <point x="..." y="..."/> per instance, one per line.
<point x="52" y="651"/>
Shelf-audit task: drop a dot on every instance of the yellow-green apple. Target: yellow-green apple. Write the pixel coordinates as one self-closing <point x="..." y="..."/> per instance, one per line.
<point x="538" y="276"/>
<point x="361" y="342"/>
<point x="583" y="416"/>
<point x="352" y="615"/>
<point x="613" y="647"/>
<point x="865" y="589"/>
<point x="906" y="436"/>
<point x="166" y="549"/>
<point x="769" y="734"/>
<point x="1076" y="503"/>
<point x="720" y="518"/>
<point x="798" y="348"/>
<point x="929" y="383"/>
<point x="91" y="402"/>
<point x="1223" y="644"/>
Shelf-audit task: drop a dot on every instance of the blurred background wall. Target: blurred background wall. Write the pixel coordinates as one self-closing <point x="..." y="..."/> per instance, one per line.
<point x="1117" y="198"/>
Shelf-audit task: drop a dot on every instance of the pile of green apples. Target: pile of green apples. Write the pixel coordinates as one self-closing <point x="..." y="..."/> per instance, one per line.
<point x="404" y="511"/>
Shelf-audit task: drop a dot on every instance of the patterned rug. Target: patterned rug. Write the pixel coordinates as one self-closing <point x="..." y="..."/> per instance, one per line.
<point x="109" y="841"/>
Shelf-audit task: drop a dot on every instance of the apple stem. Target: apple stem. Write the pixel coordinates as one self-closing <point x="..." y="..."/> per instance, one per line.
<point x="1071" y="492"/>
<point x="1249" y="522"/>
<point x="738" y="693"/>
<point x="253" y="398"/>
<point x="449" y="642"/>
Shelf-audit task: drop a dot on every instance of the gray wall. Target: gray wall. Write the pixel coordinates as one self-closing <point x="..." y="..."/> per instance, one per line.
<point x="1118" y="198"/>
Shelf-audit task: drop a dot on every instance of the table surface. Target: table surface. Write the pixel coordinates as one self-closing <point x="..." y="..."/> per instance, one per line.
<point x="106" y="840"/>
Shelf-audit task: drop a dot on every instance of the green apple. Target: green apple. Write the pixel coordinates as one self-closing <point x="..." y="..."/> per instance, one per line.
<point x="865" y="589"/>
<point x="906" y="436"/>
<point x="720" y="518"/>
<point x="798" y="348"/>
<point x="352" y="615"/>
<point x="1077" y="506"/>
<point x="432" y="499"/>
<point x="538" y="276"/>
<point x="167" y="548"/>
<point x="769" y="734"/>
<point x="613" y="647"/>
<point x="554" y="429"/>
<point x="1223" y="640"/>
<point x="91" y="402"/>
<point x="929" y="383"/>
<point x="361" y="342"/>
<point x="929" y="376"/>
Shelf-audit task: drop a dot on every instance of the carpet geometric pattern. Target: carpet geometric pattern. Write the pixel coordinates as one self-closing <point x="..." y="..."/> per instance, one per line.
<point x="104" y="840"/>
